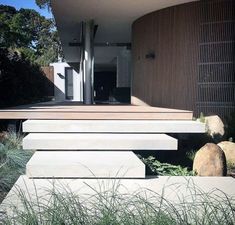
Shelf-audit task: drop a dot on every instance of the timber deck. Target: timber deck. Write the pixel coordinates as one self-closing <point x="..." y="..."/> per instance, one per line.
<point x="77" y="111"/>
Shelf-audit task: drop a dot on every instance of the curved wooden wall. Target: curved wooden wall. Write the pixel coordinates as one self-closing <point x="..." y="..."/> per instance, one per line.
<point x="193" y="67"/>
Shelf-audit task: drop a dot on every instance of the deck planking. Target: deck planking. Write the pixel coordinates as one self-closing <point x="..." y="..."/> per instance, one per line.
<point x="74" y="111"/>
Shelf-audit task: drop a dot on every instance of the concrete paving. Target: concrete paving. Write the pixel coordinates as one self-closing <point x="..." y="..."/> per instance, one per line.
<point x="99" y="141"/>
<point x="85" y="164"/>
<point x="173" y="189"/>
<point x="105" y="126"/>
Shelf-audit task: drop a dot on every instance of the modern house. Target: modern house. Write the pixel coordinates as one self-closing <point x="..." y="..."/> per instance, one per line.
<point x="169" y="59"/>
<point x="174" y="54"/>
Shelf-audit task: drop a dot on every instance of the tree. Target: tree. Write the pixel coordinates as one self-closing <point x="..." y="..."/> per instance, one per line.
<point x="30" y="33"/>
<point x="27" y="41"/>
<point x="8" y="37"/>
<point x="43" y="3"/>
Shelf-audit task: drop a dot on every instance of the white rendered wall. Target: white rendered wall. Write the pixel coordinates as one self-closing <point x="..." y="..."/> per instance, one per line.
<point x="59" y="82"/>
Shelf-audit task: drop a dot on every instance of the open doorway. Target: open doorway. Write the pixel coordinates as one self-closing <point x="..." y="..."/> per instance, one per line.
<point x="112" y="75"/>
<point x="105" y="80"/>
<point x="106" y="87"/>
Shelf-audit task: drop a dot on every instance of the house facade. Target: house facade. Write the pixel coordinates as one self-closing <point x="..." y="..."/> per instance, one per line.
<point x="164" y="53"/>
<point x="175" y="54"/>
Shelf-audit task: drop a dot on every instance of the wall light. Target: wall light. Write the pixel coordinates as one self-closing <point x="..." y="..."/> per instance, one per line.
<point x="150" y="55"/>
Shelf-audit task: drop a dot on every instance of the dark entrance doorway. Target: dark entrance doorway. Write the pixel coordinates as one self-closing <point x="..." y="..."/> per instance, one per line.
<point x="104" y="84"/>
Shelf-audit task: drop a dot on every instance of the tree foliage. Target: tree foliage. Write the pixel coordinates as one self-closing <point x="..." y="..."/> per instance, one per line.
<point x="43" y="3"/>
<point x="30" y="33"/>
<point x="27" y="42"/>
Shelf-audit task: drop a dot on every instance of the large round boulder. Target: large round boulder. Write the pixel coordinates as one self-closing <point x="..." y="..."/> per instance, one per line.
<point x="215" y="126"/>
<point x="210" y="161"/>
<point x="229" y="150"/>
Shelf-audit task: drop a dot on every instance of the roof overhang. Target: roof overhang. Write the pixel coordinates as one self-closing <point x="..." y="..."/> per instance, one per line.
<point x="113" y="17"/>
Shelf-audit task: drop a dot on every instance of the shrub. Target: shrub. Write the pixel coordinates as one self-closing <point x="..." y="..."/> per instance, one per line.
<point x="165" y="169"/>
<point x="21" y="82"/>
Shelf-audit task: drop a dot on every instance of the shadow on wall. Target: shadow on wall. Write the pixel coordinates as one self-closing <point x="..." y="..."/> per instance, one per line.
<point x="22" y="82"/>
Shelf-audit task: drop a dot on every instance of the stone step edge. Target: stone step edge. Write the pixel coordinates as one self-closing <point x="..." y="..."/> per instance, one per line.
<point x="103" y="126"/>
<point x="85" y="165"/>
<point x="76" y="141"/>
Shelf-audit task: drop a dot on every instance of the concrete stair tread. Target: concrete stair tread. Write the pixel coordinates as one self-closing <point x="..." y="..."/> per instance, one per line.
<point x="98" y="141"/>
<point x="85" y="164"/>
<point x="125" y="126"/>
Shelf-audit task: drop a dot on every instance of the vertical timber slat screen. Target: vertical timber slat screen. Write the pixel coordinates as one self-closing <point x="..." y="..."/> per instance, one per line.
<point x="216" y="78"/>
<point x="49" y="74"/>
<point x="167" y="80"/>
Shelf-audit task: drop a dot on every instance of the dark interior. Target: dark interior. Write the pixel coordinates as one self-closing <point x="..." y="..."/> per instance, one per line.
<point x="104" y="84"/>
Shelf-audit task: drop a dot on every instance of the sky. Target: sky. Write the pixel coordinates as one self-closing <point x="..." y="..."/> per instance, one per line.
<point x="28" y="4"/>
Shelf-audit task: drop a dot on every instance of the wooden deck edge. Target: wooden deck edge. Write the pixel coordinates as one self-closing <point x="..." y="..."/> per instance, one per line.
<point x="96" y="116"/>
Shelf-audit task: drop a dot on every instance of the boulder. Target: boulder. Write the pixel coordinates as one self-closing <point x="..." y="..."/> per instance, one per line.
<point x="215" y="126"/>
<point x="229" y="150"/>
<point x="210" y="161"/>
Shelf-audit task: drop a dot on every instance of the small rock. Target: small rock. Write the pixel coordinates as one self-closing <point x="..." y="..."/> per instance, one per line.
<point x="210" y="161"/>
<point x="215" y="126"/>
<point x="229" y="150"/>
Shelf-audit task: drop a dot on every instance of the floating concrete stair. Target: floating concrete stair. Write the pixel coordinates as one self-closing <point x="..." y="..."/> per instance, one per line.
<point x="117" y="126"/>
<point x="98" y="148"/>
<point x="99" y="141"/>
<point x="82" y="164"/>
<point x="93" y="144"/>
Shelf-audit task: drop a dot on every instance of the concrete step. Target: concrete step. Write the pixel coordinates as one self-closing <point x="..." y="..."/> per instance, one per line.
<point x="105" y="126"/>
<point x="89" y="141"/>
<point x="85" y="164"/>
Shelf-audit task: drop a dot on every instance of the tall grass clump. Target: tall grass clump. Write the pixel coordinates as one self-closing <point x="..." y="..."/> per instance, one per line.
<point x="12" y="160"/>
<point x="114" y="207"/>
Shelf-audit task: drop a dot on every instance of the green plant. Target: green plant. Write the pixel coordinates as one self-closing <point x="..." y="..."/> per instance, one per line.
<point x="230" y="167"/>
<point x="191" y="155"/>
<point x="12" y="160"/>
<point x="202" y="118"/>
<point x="13" y="140"/>
<point x="165" y="169"/>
